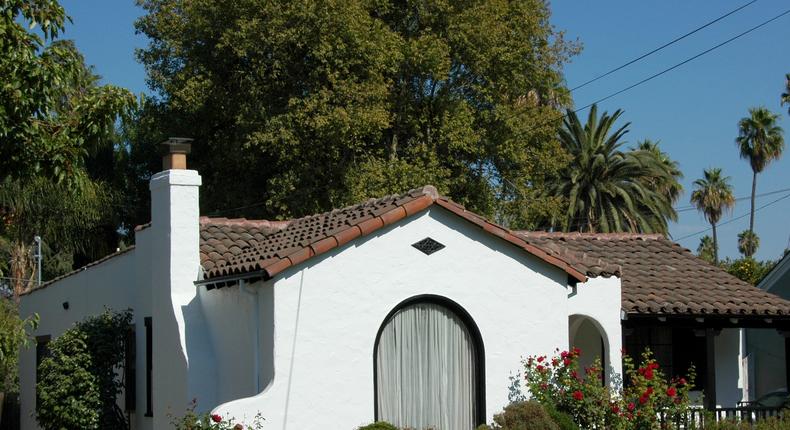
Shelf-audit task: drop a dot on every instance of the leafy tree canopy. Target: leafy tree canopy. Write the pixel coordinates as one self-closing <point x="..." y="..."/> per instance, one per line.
<point x="302" y="106"/>
<point x="57" y="145"/>
<point x="51" y="112"/>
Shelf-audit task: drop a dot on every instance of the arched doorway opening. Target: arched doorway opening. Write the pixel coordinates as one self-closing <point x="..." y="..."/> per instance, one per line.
<point x="587" y="334"/>
<point x="429" y="367"/>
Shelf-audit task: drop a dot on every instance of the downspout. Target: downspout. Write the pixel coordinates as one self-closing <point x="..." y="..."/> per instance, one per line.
<point x="243" y="286"/>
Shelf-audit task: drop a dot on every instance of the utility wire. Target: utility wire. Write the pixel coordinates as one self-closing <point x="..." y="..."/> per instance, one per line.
<point x="733" y="219"/>
<point x="672" y="42"/>
<point x="692" y="207"/>
<point x="669" y="69"/>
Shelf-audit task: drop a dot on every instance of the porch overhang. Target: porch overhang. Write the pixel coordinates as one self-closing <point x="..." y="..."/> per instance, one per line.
<point x="705" y="321"/>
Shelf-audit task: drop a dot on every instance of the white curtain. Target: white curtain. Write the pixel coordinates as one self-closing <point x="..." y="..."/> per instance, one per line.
<point x="425" y="364"/>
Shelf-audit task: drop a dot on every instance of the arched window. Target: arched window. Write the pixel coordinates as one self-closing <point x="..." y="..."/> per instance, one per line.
<point x="428" y="367"/>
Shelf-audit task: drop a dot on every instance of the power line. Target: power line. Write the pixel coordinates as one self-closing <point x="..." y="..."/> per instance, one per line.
<point x="692" y="207"/>
<point x="669" y="69"/>
<point x="732" y="220"/>
<point x="678" y="39"/>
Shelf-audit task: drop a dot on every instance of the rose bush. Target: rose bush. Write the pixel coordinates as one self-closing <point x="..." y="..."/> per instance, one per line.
<point x="647" y="401"/>
<point x="207" y="421"/>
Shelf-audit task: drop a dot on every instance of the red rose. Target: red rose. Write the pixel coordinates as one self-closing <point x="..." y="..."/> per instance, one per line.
<point x="555" y="361"/>
<point x="564" y="354"/>
<point x="566" y="362"/>
<point x="671" y="392"/>
<point x="540" y="359"/>
<point x="578" y="395"/>
<point x="682" y="381"/>
<point x="615" y="409"/>
<point x="577" y="351"/>
<point x="642" y="400"/>
<point x="649" y="374"/>
<point x="631" y="406"/>
<point x="539" y="368"/>
<point x="648" y="391"/>
<point x="216" y="418"/>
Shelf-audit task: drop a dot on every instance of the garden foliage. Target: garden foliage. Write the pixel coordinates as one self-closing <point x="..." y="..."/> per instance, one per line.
<point x="647" y="399"/>
<point x="14" y="334"/>
<point x="81" y="379"/>
<point x="208" y="421"/>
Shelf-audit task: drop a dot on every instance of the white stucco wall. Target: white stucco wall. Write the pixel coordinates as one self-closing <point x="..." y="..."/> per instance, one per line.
<point x="87" y="293"/>
<point x="599" y="301"/>
<point x="321" y="319"/>
<point x="727" y="348"/>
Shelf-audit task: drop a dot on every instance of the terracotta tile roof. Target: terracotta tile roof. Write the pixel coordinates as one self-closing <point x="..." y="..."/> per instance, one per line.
<point x="659" y="276"/>
<point x="235" y="247"/>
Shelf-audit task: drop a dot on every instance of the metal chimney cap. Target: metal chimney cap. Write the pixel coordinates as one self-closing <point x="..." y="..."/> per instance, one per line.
<point x="177" y="145"/>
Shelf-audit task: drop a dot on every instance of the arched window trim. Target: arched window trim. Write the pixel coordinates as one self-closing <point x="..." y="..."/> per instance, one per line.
<point x="474" y="332"/>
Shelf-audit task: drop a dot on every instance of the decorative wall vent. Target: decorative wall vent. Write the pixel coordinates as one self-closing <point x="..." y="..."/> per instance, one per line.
<point x="428" y="246"/>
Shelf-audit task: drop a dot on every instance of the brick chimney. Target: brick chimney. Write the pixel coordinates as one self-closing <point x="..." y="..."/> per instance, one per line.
<point x="175" y="265"/>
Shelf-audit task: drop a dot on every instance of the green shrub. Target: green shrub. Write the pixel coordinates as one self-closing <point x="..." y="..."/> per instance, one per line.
<point x="380" y="425"/>
<point x="79" y="382"/>
<point x="563" y="420"/>
<point x="13" y="336"/>
<point x="524" y="416"/>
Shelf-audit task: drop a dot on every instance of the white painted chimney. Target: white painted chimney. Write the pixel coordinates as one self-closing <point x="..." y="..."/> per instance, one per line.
<point x="175" y="265"/>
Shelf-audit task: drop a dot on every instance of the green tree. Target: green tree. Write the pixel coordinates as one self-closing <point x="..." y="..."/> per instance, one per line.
<point x="748" y="242"/>
<point x="786" y="94"/>
<point x="81" y="379"/>
<point x="668" y="182"/>
<point x="14" y="334"/>
<point x="748" y="269"/>
<point x="65" y="217"/>
<point x="760" y="141"/>
<point x="706" y="249"/>
<point x="610" y="190"/>
<point x="56" y="126"/>
<point x="301" y="106"/>
<point x="47" y="123"/>
<point x="712" y="195"/>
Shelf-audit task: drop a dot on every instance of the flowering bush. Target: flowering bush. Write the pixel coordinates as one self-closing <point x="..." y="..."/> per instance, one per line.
<point x="207" y="421"/>
<point x="647" y="400"/>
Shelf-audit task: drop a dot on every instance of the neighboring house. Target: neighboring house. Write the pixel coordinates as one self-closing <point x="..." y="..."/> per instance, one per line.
<point x="768" y="350"/>
<point x="406" y="308"/>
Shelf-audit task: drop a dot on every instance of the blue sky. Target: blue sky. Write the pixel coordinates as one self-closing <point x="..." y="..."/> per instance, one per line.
<point x="693" y="110"/>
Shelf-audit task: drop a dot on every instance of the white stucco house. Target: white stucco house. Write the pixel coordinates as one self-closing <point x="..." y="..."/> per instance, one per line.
<point x="406" y="308"/>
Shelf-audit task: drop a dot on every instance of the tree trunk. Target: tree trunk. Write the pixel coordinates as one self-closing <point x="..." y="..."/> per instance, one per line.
<point x="21" y="269"/>
<point x="754" y="190"/>
<point x="715" y="245"/>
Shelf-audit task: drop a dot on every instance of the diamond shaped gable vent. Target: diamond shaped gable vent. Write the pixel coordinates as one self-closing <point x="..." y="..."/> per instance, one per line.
<point x="428" y="246"/>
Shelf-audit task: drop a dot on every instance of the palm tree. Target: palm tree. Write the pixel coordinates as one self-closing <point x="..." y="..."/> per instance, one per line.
<point x="748" y="242"/>
<point x="705" y="249"/>
<point x="668" y="183"/>
<point x="760" y="141"/>
<point x="62" y="215"/>
<point x="712" y="195"/>
<point x="786" y="94"/>
<point x="609" y="190"/>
